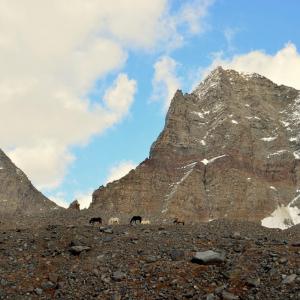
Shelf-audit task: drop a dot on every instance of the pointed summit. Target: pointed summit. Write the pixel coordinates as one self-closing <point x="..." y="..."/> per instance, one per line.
<point x="230" y="149"/>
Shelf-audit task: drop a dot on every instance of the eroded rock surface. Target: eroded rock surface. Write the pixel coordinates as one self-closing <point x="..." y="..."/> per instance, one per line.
<point x="17" y="194"/>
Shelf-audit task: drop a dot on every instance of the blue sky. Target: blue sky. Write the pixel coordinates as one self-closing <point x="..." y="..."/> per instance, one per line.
<point x="84" y="100"/>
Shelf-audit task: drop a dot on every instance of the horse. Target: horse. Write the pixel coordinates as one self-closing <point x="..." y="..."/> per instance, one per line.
<point x="134" y="219"/>
<point x="113" y="220"/>
<point x="178" y="221"/>
<point x="95" y="220"/>
<point x="145" y="222"/>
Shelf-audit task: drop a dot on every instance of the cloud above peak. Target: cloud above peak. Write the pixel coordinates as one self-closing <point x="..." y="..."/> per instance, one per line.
<point x="52" y="53"/>
<point x="283" y="67"/>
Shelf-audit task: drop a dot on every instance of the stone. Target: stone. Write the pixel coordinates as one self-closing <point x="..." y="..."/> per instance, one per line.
<point x="176" y="254"/>
<point x="229" y="296"/>
<point x="296" y="244"/>
<point x="76" y="250"/>
<point x="38" y="291"/>
<point x="47" y="285"/>
<point x="150" y="259"/>
<point x="283" y="260"/>
<point x="53" y="277"/>
<point x="289" y="279"/>
<point x="208" y="257"/>
<point x="118" y="276"/>
<point x="106" y="230"/>
<point x="253" y="282"/>
<point x="74" y="206"/>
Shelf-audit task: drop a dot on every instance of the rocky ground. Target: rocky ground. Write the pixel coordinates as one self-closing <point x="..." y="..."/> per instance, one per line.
<point x="71" y="261"/>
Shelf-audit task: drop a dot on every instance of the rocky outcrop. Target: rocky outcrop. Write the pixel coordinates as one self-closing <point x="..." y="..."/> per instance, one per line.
<point x="74" y="205"/>
<point x="230" y="149"/>
<point x="17" y="194"/>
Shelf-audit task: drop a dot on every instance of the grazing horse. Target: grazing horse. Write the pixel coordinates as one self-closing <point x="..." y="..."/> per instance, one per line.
<point x="178" y="221"/>
<point x="145" y="222"/>
<point x="95" y="220"/>
<point x="134" y="219"/>
<point x="113" y="220"/>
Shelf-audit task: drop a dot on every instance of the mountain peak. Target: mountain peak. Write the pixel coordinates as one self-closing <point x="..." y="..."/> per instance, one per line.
<point x="17" y="194"/>
<point x="230" y="149"/>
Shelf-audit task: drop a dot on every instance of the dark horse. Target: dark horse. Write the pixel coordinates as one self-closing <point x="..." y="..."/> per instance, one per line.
<point x="95" y="220"/>
<point x="178" y="221"/>
<point x="135" y="218"/>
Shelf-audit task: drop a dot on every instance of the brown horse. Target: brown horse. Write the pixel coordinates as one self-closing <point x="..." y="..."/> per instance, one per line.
<point x="178" y="221"/>
<point x="95" y="220"/>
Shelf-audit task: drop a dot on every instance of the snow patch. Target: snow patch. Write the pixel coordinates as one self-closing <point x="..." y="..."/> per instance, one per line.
<point x="191" y="165"/>
<point x="203" y="143"/>
<point x="283" y="217"/>
<point x="269" y="139"/>
<point x="234" y="122"/>
<point x="208" y="161"/>
<point x="255" y="117"/>
<point x="285" y="124"/>
<point x="199" y="114"/>
<point x="297" y="154"/>
<point x="247" y="105"/>
<point x="273" y="188"/>
<point x="277" y="153"/>
<point x="175" y="185"/>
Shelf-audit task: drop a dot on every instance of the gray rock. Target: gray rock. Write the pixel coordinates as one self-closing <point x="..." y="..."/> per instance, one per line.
<point x="151" y="259"/>
<point x="229" y="296"/>
<point x="208" y="257"/>
<point x="253" y="282"/>
<point x="47" y="285"/>
<point x="3" y="282"/>
<point x="38" y="291"/>
<point x="289" y="279"/>
<point x="106" y="230"/>
<point x="283" y="260"/>
<point x="176" y="254"/>
<point x="118" y="276"/>
<point x="76" y="250"/>
<point x="296" y="244"/>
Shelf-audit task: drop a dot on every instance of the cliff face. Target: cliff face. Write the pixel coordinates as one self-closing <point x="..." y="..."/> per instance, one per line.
<point x="17" y="194"/>
<point x="230" y="149"/>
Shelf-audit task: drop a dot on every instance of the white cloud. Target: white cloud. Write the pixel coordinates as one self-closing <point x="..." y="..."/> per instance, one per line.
<point x="165" y="81"/>
<point x="119" y="97"/>
<point x="84" y="199"/>
<point x="59" y="200"/>
<point x="283" y="67"/>
<point x="43" y="162"/>
<point x="192" y="14"/>
<point x="42" y="146"/>
<point x="119" y="170"/>
<point x="52" y="53"/>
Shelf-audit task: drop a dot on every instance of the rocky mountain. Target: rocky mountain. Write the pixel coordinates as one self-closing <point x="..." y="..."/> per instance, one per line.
<point x="230" y="149"/>
<point x="17" y="194"/>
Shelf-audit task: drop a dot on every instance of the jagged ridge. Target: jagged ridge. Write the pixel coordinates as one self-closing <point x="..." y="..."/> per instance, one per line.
<point x="230" y="149"/>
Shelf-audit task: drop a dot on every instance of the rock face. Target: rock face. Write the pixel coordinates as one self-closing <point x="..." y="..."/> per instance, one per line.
<point x="230" y="149"/>
<point x="74" y="205"/>
<point x="17" y="194"/>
